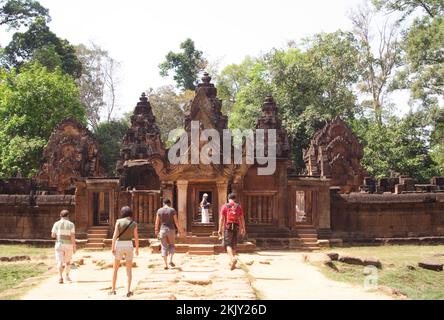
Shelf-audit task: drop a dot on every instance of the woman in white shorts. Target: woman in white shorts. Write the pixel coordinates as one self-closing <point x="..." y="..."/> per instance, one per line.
<point x="122" y="246"/>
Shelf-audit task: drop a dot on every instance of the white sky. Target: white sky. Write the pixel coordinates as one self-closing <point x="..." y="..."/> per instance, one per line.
<point x="139" y="33"/>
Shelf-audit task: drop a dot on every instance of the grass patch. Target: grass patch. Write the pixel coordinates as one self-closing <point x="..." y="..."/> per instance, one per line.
<point x="24" y="250"/>
<point x="418" y="284"/>
<point x="14" y="276"/>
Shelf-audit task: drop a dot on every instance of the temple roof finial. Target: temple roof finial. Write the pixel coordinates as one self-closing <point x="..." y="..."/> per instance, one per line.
<point x="206" y="79"/>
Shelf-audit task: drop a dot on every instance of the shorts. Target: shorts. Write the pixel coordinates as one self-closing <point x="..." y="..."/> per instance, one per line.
<point x="167" y="241"/>
<point x="124" y="249"/>
<point x="230" y="236"/>
<point x="63" y="253"/>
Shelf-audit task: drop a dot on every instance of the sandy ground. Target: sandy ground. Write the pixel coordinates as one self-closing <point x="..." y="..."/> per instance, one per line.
<point x="288" y="277"/>
<point x="272" y="275"/>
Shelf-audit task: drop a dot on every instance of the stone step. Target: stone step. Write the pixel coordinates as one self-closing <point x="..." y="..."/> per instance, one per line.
<point x="198" y="240"/>
<point x="99" y="228"/>
<point x="95" y="241"/>
<point x="97" y="236"/>
<point x="98" y="232"/>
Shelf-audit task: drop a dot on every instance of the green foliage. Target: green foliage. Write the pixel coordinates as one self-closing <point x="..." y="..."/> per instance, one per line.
<point x="17" y="13"/>
<point x="407" y="7"/>
<point x="186" y="65"/>
<point x="169" y="107"/>
<point x="397" y="145"/>
<point x="109" y="136"/>
<point x="32" y="104"/>
<point x="231" y="80"/>
<point x="40" y="44"/>
<point x="310" y="86"/>
<point x="424" y="61"/>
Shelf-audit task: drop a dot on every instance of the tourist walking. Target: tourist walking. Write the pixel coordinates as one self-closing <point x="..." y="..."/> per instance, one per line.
<point x="231" y="224"/>
<point x="205" y="208"/>
<point x="122" y="247"/>
<point x="165" y="228"/>
<point x="64" y="233"/>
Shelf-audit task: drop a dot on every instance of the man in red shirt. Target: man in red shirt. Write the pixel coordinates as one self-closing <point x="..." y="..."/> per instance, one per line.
<point x="231" y="222"/>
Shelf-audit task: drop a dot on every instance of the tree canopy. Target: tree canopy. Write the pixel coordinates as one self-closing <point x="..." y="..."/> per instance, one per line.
<point x="186" y="65"/>
<point x="32" y="104"/>
<point x="40" y="44"/>
<point x="17" y="13"/>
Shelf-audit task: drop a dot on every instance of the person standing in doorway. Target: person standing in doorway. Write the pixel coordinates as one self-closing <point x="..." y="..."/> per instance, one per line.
<point x="231" y="223"/>
<point x="205" y="209"/>
<point x="64" y="233"/>
<point x="122" y="247"/>
<point x="165" y="229"/>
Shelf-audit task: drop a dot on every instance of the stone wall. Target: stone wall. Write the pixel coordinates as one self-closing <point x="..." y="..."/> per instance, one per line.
<point x="370" y="216"/>
<point x="26" y="217"/>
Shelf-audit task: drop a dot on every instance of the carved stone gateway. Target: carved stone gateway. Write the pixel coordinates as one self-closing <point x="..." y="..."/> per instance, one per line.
<point x="72" y="153"/>
<point x="336" y="153"/>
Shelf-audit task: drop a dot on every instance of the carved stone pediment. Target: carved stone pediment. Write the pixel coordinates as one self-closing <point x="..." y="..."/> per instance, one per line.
<point x="336" y="153"/>
<point x="72" y="153"/>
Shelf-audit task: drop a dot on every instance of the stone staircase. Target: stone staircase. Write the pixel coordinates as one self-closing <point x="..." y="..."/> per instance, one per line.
<point x="202" y="245"/>
<point x="303" y="238"/>
<point x="308" y="238"/>
<point x="96" y="237"/>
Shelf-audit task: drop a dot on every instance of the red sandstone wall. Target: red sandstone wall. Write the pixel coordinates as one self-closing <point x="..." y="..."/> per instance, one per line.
<point x="370" y="216"/>
<point x="22" y="218"/>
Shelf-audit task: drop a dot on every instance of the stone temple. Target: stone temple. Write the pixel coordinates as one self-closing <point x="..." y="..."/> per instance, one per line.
<point x="335" y="201"/>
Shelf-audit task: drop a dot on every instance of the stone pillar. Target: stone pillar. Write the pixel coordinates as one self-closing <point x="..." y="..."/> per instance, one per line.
<point x="323" y="208"/>
<point x="81" y="209"/>
<point x="222" y="198"/>
<point x="182" y="210"/>
<point x="282" y="196"/>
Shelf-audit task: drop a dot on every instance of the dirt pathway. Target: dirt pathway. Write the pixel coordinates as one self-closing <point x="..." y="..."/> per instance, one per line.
<point x="285" y="276"/>
<point x="276" y="276"/>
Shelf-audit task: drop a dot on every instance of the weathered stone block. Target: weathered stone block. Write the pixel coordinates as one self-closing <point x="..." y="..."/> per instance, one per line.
<point x="431" y="265"/>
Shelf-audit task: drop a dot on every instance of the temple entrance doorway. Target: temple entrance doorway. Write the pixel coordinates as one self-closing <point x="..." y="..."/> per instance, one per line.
<point x="101" y="208"/>
<point x="202" y="222"/>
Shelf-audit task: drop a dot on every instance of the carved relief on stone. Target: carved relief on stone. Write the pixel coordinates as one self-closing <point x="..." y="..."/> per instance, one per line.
<point x="270" y="120"/>
<point x="206" y="108"/>
<point x="72" y="153"/>
<point x="142" y="141"/>
<point x="336" y="153"/>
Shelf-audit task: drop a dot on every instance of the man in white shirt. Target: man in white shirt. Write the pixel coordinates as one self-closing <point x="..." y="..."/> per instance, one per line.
<point x="64" y="233"/>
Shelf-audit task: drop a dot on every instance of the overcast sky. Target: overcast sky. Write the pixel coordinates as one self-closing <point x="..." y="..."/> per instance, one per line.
<point x="139" y="33"/>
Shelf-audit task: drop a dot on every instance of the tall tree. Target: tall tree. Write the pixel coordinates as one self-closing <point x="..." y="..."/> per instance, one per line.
<point x="311" y="86"/>
<point x="32" y="104"/>
<point x="169" y="108"/>
<point x="423" y="69"/>
<point x="186" y="65"/>
<point x="98" y="83"/>
<point x="109" y="136"/>
<point x="377" y="64"/>
<point x="39" y="43"/>
<point x="397" y="145"/>
<point x="17" y="13"/>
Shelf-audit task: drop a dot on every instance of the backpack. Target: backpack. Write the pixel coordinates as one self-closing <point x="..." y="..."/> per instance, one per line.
<point x="232" y="216"/>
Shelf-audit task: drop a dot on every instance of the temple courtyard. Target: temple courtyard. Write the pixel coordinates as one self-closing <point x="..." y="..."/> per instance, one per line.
<point x="263" y="275"/>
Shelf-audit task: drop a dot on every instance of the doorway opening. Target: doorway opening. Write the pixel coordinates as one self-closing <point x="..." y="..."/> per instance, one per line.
<point x="101" y="208"/>
<point x="204" y="215"/>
